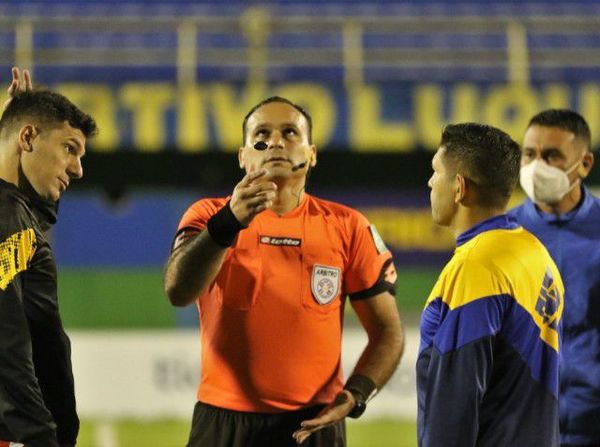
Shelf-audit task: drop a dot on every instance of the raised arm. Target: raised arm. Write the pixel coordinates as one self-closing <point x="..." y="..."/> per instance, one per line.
<point x="195" y="262"/>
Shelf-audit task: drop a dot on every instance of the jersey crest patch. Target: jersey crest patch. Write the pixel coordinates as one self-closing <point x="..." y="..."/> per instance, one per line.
<point x="379" y="244"/>
<point x="325" y="283"/>
<point x="548" y="301"/>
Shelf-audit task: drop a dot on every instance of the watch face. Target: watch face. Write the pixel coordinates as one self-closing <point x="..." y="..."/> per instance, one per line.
<point x="359" y="406"/>
<point x="359" y="409"/>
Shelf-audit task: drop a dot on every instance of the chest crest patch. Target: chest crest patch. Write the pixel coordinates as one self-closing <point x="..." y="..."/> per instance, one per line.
<point x="325" y="283"/>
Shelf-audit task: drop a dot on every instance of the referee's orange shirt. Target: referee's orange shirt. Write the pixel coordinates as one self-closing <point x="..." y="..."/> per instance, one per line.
<point x="271" y="321"/>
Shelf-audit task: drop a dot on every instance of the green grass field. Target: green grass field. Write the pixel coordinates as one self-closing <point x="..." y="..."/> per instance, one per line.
<point x="104" y="298"/>
<point x="173" y="433"/>
<point x="112" y="298"/>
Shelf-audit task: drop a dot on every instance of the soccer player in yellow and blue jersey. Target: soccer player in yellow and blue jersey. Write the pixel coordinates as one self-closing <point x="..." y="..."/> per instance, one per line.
<point x="487" y="371"/>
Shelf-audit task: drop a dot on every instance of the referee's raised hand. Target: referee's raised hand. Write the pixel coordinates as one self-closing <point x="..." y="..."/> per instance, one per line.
<point x="251" y="196"/>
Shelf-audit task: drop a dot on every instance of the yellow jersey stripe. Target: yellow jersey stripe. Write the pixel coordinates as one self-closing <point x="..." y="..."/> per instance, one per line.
<point x="15" y="254"/>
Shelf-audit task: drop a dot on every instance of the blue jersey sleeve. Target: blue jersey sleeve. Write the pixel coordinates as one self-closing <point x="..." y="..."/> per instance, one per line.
<point x="454" y="372"/>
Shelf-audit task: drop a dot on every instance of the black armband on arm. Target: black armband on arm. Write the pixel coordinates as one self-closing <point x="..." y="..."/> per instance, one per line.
<point x="223" y="227"/>
<point x="383" y="283"/>
<point x="361" y="384"/>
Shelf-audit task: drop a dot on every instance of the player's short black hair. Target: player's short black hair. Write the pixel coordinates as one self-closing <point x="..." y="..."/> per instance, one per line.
<point x="48" y="108"/>
<point x="278" y="99"/>
<point x="564" y="119"/>
<point x="487" y="157"/>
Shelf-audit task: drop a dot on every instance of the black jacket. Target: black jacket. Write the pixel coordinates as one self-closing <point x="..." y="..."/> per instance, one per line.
<point x="37" y="399"/>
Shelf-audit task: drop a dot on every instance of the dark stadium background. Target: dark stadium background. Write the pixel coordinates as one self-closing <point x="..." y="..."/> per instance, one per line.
<point x="170" y="82"/>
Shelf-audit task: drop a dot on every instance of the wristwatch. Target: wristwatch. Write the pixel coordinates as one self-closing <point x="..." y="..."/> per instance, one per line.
<point x="362" y="389"/>
<point x="360" y="404"/>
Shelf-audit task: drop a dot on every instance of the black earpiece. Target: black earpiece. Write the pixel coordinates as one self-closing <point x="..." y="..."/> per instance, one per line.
<point x="299" y="166"/>
<point x="260" y="146"/>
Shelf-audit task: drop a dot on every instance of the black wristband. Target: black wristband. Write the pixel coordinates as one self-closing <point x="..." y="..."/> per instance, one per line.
<point x="223" y="227"/>
<point x="361" y="384"/>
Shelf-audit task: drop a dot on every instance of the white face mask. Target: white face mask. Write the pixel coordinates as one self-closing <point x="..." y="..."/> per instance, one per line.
<point x="544" y="183"/>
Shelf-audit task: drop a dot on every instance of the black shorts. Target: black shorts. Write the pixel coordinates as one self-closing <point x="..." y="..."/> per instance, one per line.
<point x="218" y="427"/>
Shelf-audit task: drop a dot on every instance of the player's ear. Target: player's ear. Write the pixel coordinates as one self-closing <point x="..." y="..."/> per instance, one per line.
<point x="26" y="136"/>
<point x="241" y="156"/>
<point x="586" y="165"/>
<point x="460" y="188"/>
<point x="313" y="156"/>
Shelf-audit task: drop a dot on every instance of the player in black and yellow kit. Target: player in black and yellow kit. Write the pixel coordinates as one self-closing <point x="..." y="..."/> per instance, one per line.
<point x="487" y="371"/>
<point x="42" y="140"/>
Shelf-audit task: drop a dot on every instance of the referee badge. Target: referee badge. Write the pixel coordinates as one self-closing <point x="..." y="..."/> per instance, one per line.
<point x="325" y="283"/>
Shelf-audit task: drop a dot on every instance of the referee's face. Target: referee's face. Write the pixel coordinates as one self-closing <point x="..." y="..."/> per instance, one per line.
<point x="285" y="132"/>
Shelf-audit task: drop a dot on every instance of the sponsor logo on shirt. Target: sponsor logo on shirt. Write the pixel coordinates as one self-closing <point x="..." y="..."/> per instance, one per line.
<point x="280" y="241"/>
<point x="325" y="283"/>
<point x="16" y="253"/>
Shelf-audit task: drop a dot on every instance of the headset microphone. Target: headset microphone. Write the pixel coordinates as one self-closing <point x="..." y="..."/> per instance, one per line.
<point x="299" y="166"/>
<point x="260" y="146"/>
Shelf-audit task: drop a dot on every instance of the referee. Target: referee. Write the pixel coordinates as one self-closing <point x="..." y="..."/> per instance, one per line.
<point x="269" y="268"/>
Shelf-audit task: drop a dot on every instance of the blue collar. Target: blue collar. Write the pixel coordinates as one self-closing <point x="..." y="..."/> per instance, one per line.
<point x="580" y="211"/>
<point x="502" y="222"/>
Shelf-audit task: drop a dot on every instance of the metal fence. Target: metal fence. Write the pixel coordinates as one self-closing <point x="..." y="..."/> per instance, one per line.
<point x="261" y="44"/>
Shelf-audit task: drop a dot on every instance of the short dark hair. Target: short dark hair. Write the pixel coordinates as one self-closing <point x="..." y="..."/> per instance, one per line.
<point x="277" y="99"/>
<point x="564" y="119"/>
<point x="487" y="157"/>
<point x="46" y="107"/>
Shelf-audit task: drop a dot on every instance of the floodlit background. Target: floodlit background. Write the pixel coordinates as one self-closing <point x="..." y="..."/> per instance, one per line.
<point x="169" y="84"/>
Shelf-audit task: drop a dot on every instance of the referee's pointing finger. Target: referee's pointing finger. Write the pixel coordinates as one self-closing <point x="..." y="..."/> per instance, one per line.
<point x="258" y="189"/>
<point x="251" y="176"/>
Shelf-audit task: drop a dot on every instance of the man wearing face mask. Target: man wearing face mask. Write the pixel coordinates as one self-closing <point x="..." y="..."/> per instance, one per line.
<point x="565" y="216"/>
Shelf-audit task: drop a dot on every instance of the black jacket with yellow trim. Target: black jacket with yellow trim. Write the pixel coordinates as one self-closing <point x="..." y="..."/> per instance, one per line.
<point x="37" y="399"/>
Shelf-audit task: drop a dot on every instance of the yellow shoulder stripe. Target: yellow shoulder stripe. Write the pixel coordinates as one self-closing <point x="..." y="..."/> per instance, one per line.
<point x="15" y="254"/>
